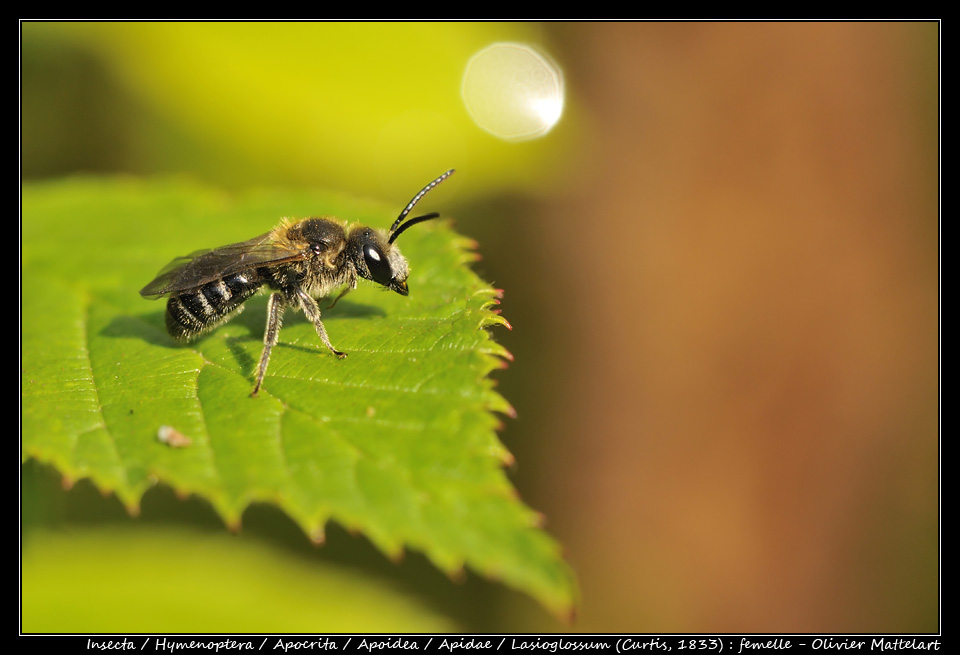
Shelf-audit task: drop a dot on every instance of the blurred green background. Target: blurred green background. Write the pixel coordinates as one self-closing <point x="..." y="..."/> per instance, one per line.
<point x="722" y="272"/>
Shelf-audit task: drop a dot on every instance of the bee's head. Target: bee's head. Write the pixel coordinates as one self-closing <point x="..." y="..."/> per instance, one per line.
<point x="373" y="253"/>
<point x="377" y="259"/>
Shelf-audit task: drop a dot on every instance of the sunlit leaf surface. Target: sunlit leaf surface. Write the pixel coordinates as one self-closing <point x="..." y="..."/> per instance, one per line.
<point x="397" y="441"/>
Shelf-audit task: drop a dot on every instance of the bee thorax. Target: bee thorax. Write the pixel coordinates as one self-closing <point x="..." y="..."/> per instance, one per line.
<point x="321" y="281"/>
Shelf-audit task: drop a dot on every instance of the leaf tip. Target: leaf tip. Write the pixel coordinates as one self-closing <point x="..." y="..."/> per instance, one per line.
<point x="318" y="536"/>
<point x="396" y="555"/>
<point x="457" y="574"/>
<point x="507" y="458"/>
<point x="539" y="520"/>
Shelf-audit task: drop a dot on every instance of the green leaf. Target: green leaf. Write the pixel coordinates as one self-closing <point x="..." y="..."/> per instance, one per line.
<point x="201" y="583"/>
<point x="396" y="441"/>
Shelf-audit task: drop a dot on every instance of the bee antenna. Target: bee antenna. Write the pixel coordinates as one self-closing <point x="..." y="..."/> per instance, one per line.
<point x="394" y="232"/>
<point x="412" y="221"/>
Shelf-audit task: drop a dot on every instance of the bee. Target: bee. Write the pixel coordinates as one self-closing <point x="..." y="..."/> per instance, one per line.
<point x="300" y="262"/>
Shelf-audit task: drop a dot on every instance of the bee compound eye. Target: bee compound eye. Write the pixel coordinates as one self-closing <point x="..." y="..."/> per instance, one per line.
<point x="377" y="265"/>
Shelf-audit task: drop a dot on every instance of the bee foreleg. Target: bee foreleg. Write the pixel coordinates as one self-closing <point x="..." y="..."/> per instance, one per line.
<point x="345" y="291"/>
<point x="312" y="311"/>
<point x="275" y="308"/>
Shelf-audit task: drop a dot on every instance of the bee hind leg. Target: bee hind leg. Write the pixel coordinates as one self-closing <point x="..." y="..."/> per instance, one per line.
<point x="312" y="311"/>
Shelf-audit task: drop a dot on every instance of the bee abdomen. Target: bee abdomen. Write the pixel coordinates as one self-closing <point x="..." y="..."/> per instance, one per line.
<point x="191" y="313"/>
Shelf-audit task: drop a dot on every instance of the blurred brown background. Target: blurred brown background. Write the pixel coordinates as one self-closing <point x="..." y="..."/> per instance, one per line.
<point x="743" y="285"/>
<point x="723" y="282"/>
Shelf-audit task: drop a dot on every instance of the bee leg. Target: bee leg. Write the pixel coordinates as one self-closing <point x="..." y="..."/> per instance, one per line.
<point x="275" y="308"/>
<point x="345" y="291"/>
<point x="312" y="311"/>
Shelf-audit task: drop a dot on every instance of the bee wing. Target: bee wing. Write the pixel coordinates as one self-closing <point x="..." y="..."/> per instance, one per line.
<point x="197" y="269"/>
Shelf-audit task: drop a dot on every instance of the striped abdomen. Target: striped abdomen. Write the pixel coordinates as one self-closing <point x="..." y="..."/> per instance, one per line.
<point x="193" y="312"/>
